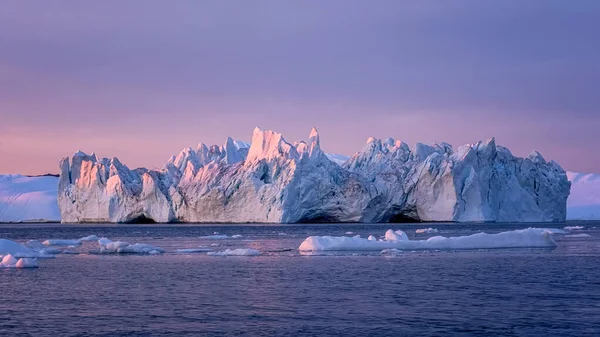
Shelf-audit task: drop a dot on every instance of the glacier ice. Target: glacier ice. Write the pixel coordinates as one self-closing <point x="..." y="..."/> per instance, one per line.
<point x="584" y="200"/>
<point x="28" y="199"/>
<point x="272" y="180"/>
<point x="525" y="238"/>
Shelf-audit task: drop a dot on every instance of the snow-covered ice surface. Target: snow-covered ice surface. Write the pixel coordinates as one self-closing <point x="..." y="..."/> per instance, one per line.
<point x="584" y="200"/>
<point x="275" y="181"/>
<point x="524" y="238"/>
<point x="28" y="199"/>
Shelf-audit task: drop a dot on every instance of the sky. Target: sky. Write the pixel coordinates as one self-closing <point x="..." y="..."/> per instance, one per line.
<point x="142" y="79"/>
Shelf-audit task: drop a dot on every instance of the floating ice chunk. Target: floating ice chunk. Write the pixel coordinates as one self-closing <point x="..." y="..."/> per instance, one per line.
<point x="525" y="238"/>
<point x="26" y="262"/>
<point x="61" y="242"/>
<point x="8" y="261"/>
<point x="215" y="237"/>
<point x="582" y="235"/>
<point x="193" y="250"/>
<point x="398" y="235"/>
<point x="17" y="250"/>
<point x="237" y="236"/>
<point x="89" y="238"/>
<point x="51" y="251"/>
<point x="372" y="238"/>
<point x="356" y="236"/>
<point x="35" y="244"/>
<point x="236" y="252"/>
<point x="426" y="230"/>
<point x="554" y="230"/>
<point x="391" y="251"/>
<point x="214" y="245"/>
<point x="121" y="247"/>
<point x="571" y="228"/>
<point x="349" y="233"/>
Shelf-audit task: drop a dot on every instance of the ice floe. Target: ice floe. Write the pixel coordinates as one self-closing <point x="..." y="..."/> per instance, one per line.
<point x="582" y="235"/>
<point x="236" y="252"/>
<point x="571" y="228"/>
<point x="524" y="238"/>
<point x="61" y="242"/>
<point x="122" y="247"/>
<point x="426" y="230"/>
<point x="8" y="247"/>
<point x="89" y="238"/>
<point x="193" y="250"/>
<point x="215" y="237"/>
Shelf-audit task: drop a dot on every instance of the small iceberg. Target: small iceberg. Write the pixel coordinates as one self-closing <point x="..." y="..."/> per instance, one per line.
<point x="122" y="247"/>
<point x="525" y="238"/>
<point x="89" y="238"/>
<point x="17" y="250"/>
<point x="10" y="261"/>
<point x="236" y="252"/>
<point x="426" y="230"/>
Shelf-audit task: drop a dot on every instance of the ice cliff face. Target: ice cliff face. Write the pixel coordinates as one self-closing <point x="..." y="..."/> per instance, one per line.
<point x="272" y="180"/>
<point x="478" y="182"/>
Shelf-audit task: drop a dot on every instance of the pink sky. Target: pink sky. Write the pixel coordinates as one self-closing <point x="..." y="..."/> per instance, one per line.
<point x="155" y="78"/>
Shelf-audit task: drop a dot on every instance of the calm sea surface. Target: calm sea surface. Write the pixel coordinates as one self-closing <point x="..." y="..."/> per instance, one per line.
<point x="507" y="292"/>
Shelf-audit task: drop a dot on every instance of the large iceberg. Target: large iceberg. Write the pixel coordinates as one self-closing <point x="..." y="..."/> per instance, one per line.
<point x="274" y="181"/>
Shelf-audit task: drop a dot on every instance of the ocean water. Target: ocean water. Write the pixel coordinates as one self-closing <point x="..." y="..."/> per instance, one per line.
<point x="502" y="292"/>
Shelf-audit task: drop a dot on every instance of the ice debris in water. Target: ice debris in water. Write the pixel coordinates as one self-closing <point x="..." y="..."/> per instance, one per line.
<point x="89" y="238"/>
<point x="372" y="238"/>
<point x="391" y="251"/>
<point x="121" y="247"/>
<point x="426" y="230"/>
<point x="571" y="228"/>
<point x="236" y="252"/>
<point x="215" y="237"/>
<point x="390" y="235"/>
<point x="193" y="250"/>
<point x="582" y="235"/>
<point x="61" y="242"/>
<point x="524" y="238"/>
<point x="237" y="236"/>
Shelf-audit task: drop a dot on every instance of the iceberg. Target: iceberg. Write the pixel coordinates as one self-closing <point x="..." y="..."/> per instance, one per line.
<point x="272" y="180"/>
<point x="28" y="199"/>
<point x="525" y="238"/>
<point x="17" y="250"/>
<point x="236" y="252"/>
<point x="121" y="247"/>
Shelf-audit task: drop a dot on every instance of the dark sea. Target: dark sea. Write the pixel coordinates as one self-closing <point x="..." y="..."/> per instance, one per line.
<point x="501" y="292"/>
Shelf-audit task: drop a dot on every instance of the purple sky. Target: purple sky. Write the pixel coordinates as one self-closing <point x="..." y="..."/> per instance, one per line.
<point x="140" y="80"/>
